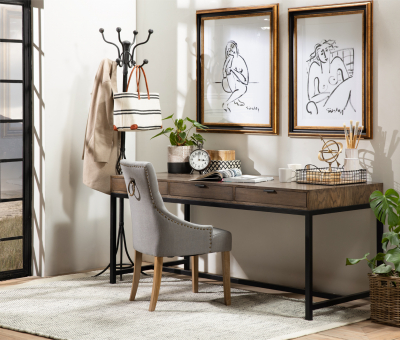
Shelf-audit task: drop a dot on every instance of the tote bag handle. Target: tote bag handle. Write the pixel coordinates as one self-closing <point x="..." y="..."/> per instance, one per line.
<point x="140" y="68"/>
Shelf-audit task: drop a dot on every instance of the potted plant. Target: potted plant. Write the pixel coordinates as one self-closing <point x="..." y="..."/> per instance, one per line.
<point x="182" y="143"/>
<point x="384" y="280"/>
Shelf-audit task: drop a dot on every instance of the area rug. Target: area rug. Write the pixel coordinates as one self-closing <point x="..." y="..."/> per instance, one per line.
<point x="82" y="307"/>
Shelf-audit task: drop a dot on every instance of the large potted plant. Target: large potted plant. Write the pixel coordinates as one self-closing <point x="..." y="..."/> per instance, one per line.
<point x="182" y="143"/>
<point x="384" y="280"/>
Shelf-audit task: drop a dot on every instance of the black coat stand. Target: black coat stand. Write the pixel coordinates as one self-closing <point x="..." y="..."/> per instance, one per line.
<point x="126" y="61"/>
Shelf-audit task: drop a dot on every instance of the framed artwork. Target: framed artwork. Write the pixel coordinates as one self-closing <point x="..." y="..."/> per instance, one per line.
<point x="237" y="69"/>
<point x="330" y="69"/>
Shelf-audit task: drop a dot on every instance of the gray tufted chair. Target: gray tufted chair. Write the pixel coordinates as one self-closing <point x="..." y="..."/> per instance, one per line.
<point x="159" y="233"/>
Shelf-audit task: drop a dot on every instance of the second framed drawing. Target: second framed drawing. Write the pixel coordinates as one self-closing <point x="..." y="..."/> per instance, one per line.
<point x="237" y="69"/>
<point x="330" y="69"/>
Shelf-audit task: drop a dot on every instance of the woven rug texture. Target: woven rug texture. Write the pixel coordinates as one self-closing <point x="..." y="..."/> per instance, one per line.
<point x="81" y="307"/>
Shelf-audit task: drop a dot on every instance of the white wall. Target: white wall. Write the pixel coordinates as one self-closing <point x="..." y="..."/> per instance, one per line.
<point x="70" y="221"/>
<point x="270" y="247"/>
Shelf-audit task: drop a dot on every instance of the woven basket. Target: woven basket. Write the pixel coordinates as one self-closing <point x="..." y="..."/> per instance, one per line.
<point x="385" y="299"/>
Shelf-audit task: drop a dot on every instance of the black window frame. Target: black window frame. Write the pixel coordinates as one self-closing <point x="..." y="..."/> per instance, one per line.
<point x="27" y="142"/>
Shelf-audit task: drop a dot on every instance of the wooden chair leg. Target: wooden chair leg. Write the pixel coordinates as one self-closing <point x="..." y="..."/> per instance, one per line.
<point x="137" y="268"/>
<point x="195" y="273"/>
<point x="226" y="273"/>
<point x="158" y="262"/>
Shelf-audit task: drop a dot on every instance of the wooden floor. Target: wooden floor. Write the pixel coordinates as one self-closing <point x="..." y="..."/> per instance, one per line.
<point x="365" y="330"/>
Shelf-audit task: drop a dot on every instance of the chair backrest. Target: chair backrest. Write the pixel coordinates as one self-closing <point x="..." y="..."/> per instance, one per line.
<point x="146" y="205"/>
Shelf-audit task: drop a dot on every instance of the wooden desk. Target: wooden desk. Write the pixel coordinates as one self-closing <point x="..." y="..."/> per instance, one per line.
<point x="273" y="196"/>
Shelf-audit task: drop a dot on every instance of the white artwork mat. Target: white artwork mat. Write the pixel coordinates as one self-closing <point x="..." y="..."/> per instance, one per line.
<point x="237" y="59"/>
<point x="329" y="70"/>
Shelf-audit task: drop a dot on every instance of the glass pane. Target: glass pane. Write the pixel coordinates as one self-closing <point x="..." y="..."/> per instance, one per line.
<point x="10" y="101"/>
<point x="11" y="255"/>
<point x="11" y="180"/>
<point x="10" y="140"/>
<point x="11" y="61"/>
<point x="10" y="219"/>
<point x="11" y="22"/>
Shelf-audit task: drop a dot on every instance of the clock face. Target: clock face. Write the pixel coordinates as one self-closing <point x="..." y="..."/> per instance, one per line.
<point x="199" y="159"/>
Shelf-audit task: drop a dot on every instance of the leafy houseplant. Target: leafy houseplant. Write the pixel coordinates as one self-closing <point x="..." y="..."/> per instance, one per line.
<point x="179" y="135"/>
<point x="182" y="143"/>
<point x="386" y="208"/>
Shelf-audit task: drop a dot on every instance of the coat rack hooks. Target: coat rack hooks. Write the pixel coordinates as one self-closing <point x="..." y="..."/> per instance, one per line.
<point x="126" y="58"/>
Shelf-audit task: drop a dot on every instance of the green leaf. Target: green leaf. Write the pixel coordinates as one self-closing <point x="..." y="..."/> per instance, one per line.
<point x="350" y="262"/>
<point x="190" y="120"/>
<point x="198" y="137"/>
<point x="158" y="134"/>
<point x="172" y="138"/>
<point x="385" y="206"/>
<point x="176" y="122"/>
<point x="199" y="126"/>
<point x="392" y="237"/>
<point x="189" y="142"/>
<point x="382" y="269"/>
<point x="183" y="127"/>
<point x="180" y="123"/>
<point x="378" y="257"/>
<point x="169" y="117"/>
<point x="182" y="135"/>
<point x="393" y="256"/>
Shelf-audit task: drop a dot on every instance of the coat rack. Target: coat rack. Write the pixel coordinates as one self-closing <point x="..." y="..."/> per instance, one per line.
<point x="126" y="61"/>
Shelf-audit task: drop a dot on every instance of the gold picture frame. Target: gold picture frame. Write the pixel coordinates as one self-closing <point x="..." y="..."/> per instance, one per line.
<point x="270" y="110"/>
<point x="320" y="103"/>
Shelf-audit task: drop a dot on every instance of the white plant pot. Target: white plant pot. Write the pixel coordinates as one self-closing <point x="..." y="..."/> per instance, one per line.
<point x="178" y="159"/>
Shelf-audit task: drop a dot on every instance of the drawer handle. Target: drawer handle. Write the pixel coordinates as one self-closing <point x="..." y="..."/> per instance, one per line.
<point x="270" y="191"/>
<point x="200" y="185"/>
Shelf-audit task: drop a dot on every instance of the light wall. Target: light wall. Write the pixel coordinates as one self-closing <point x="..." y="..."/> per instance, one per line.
<point x="70" y="221"/>
<point x="270" y="247"/>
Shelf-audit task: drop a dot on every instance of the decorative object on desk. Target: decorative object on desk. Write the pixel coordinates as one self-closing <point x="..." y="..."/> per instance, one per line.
<point x="330" y="176"/>
<point x="237" y="69"/>
<point x="199" y="159"/>
<point x="384" y="280"/>
<point x="351" y="161"/>
<point x="223" y="165"/>
<point x="294" y="167"/>
<point x="218" y="175"/>
<point x="248" y="179"/>
<point x="182" y="143"/>
<point x="330" y="68"/>
<point x="135" y="111"/>
<point x="222" y="155"/>
<point x="330" y="152"/>
<point x="286" y="175"/>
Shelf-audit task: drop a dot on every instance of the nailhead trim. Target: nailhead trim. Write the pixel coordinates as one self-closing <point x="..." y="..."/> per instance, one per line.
<point x="154" y="204"/>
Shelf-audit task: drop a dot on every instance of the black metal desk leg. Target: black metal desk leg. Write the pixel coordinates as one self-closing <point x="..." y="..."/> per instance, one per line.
<point x="113" y="238"/>
<point x="186" y="211"/>
<point x="121" y="227"/>
<point x="309" y="266"/>
<point x="379" y="233"/>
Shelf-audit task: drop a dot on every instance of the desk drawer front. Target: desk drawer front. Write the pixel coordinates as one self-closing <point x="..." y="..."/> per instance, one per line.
<point x="163" y="187"/>
<point x="275" y="197"/>
<point x="201" y="190"/>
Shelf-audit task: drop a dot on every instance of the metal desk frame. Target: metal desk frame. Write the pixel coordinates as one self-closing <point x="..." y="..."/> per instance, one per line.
<point x="310" y="306"/>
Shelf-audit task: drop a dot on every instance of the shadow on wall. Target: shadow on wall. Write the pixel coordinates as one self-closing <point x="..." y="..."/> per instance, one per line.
<point x="38" y="201"/>
<point x="379" y="162"/>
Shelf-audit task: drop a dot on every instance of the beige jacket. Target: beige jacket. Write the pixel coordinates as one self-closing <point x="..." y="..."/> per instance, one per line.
<point x="101" y="146"/>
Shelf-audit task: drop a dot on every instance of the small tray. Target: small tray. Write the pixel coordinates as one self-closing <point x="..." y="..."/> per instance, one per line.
<point x="333" y="176"/>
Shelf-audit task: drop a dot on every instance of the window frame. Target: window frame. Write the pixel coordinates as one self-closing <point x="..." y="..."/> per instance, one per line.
<point x="26" y="159"/>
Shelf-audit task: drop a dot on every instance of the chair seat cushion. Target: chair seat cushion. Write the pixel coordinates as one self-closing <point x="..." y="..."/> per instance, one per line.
<point x="221" y="241"/>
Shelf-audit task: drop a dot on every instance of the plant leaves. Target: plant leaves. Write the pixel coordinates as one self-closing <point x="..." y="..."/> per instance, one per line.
<point x="172" y="138"/>
<point x="198" y="137"/>
<point x="199" y="126"/>
<point x="385" y="206"/>
<point x="350" y="262"/>
<point x="382" y="269"/>
<point x="182" y="135"/>
<point x="378" y="257"/>
<point x="158" y="134"/>
<point x="168" y="117"/>
<point x="180" y="123"/>
<point x="393" y="256"/>
<point x="189" y="142"/>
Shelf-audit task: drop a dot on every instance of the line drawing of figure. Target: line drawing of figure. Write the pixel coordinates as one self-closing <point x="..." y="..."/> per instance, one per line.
<point x="235" y="75"/>
<point x="330" y="78"/>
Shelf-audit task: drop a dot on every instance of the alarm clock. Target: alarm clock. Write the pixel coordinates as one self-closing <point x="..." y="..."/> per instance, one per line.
<point x="199" y="160"/>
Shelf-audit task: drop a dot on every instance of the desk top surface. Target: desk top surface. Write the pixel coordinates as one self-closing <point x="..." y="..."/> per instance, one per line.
<point x="275" y="184"/>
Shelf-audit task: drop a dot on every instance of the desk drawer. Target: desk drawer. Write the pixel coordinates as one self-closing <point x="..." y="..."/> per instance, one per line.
<point x="163" y="187"/>
<point x="275" y="197"/>
<point x="201" y="190"/>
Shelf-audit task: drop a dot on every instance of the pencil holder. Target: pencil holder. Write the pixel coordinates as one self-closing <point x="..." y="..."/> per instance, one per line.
<point x="351" y="160"/>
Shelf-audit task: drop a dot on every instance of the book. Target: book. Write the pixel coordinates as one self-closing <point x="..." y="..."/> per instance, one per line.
<point x="248" y="179"/>
<point x="219" y="175"/>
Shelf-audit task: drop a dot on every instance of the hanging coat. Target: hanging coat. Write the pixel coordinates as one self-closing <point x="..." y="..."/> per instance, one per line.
<point x="102" y="143"/>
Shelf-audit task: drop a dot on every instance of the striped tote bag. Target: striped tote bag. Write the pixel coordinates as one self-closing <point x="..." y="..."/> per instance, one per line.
<point x="135" y="110"/>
